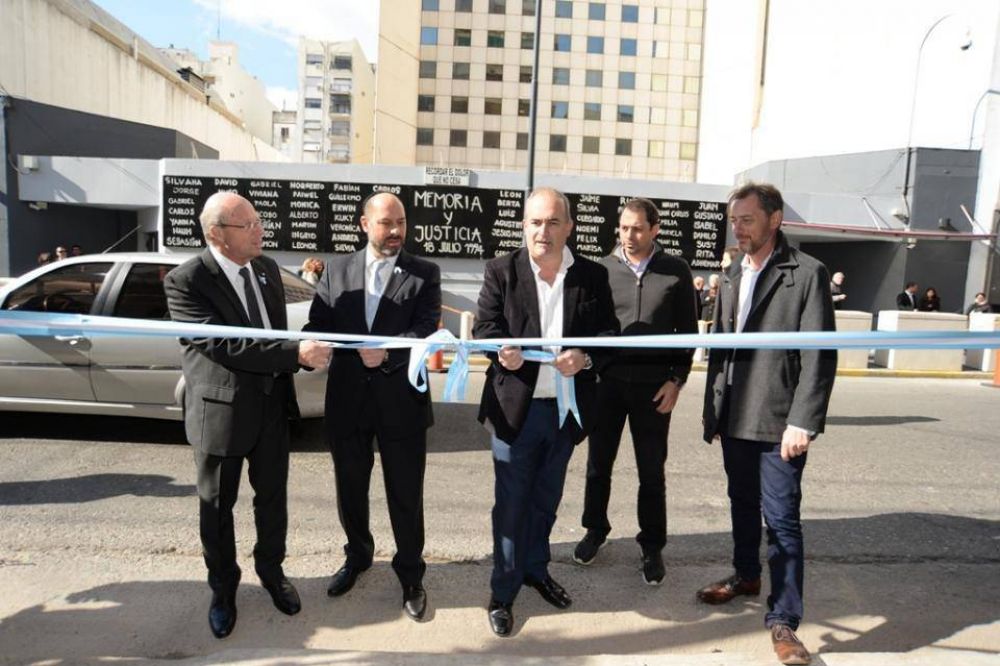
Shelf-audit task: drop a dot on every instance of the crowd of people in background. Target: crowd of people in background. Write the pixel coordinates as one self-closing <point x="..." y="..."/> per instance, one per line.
<point x="60" y="253"/>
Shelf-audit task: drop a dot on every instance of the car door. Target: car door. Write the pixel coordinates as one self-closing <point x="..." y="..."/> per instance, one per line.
<point x="136" y="369"/>
<point x="52" y="368"/>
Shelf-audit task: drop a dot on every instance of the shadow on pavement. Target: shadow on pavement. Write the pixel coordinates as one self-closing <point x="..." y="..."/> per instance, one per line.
<point x="878" y="420"/>
<point x="920" y="578"/>
<point x="90" y="488"/>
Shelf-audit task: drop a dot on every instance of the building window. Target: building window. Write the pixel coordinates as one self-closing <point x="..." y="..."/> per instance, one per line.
<point x="494" y="72"/>
<point x="340" y="103"/>
<point x="592" y="111"/>
<point x="595" y="45"/>
<point x="595" y="12"/>
<point x="623" y="146"/>
<point x="524" y="107"/>
<point x="491" y="139"/>
<point x="630" y="13"/>
<point x="524" y="74"/>
<point x="463" y="6"/>
<point x="285" y="133"/>
<point x="522" y="141"/>
<point x="458" y="138"/>
<point x="562" y="43"/>
<point x="626" y="113"/>
<point x="341" y="85"/>
<point x="425" y="136"/>
<point x="429" y="36"/>
<point x="498" y="6"/>
<point x="689" y="151"/>
<point x="658" y="83"/>
<point x="494" y="39"/>
<point x="564" y="9"/>
<point x="340" y="128"/>
<point x="425" y="102"/>
<point x="460" y="71"/>
<point x="629" y="47"/>
<point x="463" y="37"/>
<point x="459" y="104"/>
<point x="493" y="106"/>
<point x="314" y="58"/>
<point x="560" y="109"/>
<point x="591" y="145"/>
<point x="626" y="80"/>
<point x="557" y="143"/>
<point x="656" y="149"/>
<point x="527" y="40"/>
<point x="428" y="69"/>
<point x="313" y="103"/>
<point x="341" y="62"/>
<point x="429" y="5"/>
<point x="560" y="76"/>
<point x="594" y="78"/>
<point x="527" y="7"/>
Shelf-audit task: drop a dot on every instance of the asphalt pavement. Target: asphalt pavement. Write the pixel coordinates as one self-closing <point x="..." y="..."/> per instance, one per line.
<point x="99" y="558"/>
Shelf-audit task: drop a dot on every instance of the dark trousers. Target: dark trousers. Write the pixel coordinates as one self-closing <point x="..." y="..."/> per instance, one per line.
<point x="760" y="481"/>
<point x="649" y="430"/>
<point x="403" y="462"/>
<point x="529" y="472"/>
<point x="218" y="489"/>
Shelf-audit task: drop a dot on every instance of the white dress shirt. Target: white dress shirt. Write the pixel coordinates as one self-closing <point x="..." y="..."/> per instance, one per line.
<point x="550" y="319"/>
<point x="232" y="272"/>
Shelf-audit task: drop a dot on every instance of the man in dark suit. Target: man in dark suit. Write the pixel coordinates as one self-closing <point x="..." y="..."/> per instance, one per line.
<point x="907" y="299"/>
<point x="542" y="290"/>
<point x="654" y="294"/>
<point x="381" y="290"/>
<point x="767" y="406"/>
<point x="238" y="398"/>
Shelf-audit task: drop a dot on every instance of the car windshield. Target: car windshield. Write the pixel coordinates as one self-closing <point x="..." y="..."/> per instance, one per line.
<point x="297" y="290"/>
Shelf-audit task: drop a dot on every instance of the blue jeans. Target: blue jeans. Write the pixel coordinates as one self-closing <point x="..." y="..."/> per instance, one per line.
<point x="760" y="481"/>
<point x="529" y="472"/>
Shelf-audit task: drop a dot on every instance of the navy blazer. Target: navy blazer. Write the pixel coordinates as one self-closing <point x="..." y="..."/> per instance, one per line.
<point x="410" y="307"/>
<point x="508" y="308"/>
<point x="226" y="381"/>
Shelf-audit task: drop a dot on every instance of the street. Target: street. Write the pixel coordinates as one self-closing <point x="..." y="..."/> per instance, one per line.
<point x="100" y="556"/>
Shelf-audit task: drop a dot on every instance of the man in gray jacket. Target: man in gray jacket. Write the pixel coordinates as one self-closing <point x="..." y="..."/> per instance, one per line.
<point x="767" y="406"/>
<point x="653" y="294"/>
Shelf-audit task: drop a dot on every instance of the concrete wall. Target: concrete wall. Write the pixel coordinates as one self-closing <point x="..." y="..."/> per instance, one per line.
<point x="241" y="92"/>
<point x="396" y="84"/>
<point x="362" y="108"/>
<point x="71" y="53"/>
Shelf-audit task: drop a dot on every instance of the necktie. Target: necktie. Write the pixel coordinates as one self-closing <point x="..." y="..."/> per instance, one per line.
<point x="375" y="295"/>
<point x="253" y="308"/>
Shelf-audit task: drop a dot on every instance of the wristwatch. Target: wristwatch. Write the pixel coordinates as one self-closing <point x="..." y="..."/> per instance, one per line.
<point x="588" y="363"/>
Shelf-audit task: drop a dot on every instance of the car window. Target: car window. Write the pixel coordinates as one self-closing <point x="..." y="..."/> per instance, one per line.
<point x="70" y="288"/>
<point x="142" y="294"/>
<point x="296" y="289"/>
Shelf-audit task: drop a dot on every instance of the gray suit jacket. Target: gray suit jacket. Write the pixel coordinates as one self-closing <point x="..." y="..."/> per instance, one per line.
<point x="228" y="380"/>
<point x="772" y="388"/>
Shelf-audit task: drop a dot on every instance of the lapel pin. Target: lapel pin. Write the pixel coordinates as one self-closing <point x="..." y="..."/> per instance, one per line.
<point x="263" y="279"/>
<point x="397" y="270"/>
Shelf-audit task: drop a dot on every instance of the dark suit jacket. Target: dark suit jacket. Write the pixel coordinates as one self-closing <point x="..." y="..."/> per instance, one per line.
<point x="508" y="308"/>
<point x="410" y="307"/>
<point x="227" y="381"/>
<point x="903" y="301"/>
<point x="772" y="388"/>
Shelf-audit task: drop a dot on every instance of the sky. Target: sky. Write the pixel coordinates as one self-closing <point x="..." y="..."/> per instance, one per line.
<point x="266" y="31"/>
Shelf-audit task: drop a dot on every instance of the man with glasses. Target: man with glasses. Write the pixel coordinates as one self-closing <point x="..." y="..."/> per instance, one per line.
<point x="238" y="398"/>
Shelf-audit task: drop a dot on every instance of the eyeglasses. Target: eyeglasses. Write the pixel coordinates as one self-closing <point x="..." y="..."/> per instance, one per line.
<point x="255" y="224"/>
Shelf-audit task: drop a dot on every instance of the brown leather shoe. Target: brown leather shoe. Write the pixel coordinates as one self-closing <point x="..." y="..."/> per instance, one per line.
<point x="728" y="589"/>
<point x="787" y="645"/>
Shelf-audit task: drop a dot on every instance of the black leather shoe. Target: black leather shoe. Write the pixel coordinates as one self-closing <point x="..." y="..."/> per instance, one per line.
<point x="343" y="580"/>
<point x="284" y="595"/>
<point x="415" y="602"/>
<point x="222" y="613"/>
<point x="551" y="591"/>
<point x="501" y="618"/>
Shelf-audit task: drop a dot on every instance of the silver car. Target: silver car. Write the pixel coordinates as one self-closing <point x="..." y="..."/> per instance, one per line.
<point x="129" y="376"/>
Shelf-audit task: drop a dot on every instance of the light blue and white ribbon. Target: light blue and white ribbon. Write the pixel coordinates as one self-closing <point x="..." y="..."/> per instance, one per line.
<point x="16" y="322"/>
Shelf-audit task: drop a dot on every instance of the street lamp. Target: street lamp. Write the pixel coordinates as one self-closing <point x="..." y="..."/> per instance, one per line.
<point x="964" y="46"/>
<point x="972" y="125"/>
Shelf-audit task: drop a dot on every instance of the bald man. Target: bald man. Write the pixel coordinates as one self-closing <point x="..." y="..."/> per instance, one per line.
<point x="238" y="398"/>
<point x="379" y="290"/>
